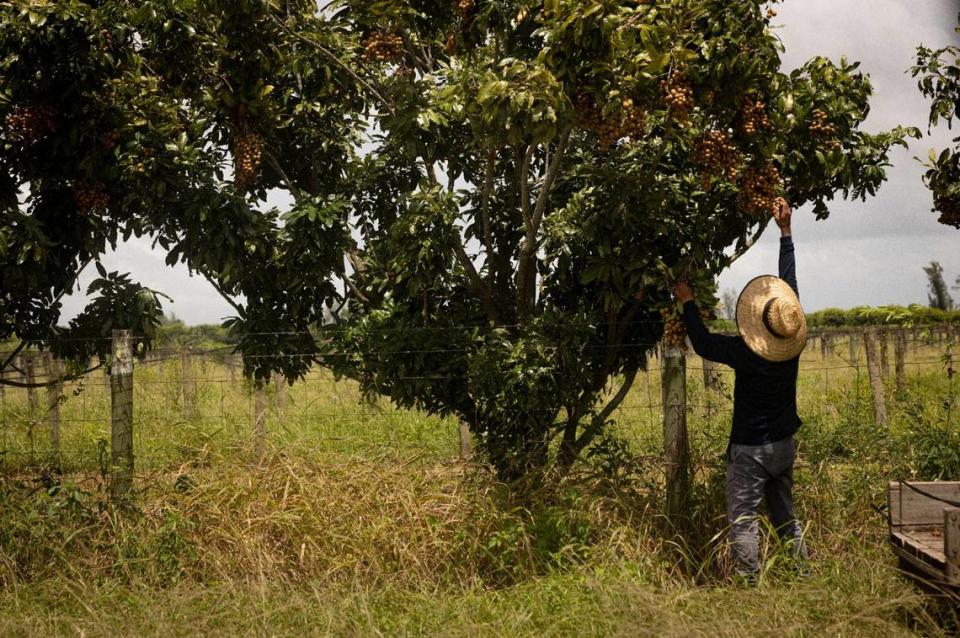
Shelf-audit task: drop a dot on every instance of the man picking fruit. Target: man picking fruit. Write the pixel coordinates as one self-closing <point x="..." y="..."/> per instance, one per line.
<point x="765" y="357"/>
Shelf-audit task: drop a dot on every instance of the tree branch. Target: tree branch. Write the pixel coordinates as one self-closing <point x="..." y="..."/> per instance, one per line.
<point x="353" y="288"/>
<point x="217" y="287"/>
<point x="369" y="87"/>
<point x="275" y="165"/>
<point x="485" y="194"/>
<point x="598" y="421"/>
<point x="50" y="384"/>
<point x="479" y="288"/>
<point x="13" y="355"/>
<point x="522" y="178"/>
<point x="750" y="242"/>
<point x="550" y="176"/>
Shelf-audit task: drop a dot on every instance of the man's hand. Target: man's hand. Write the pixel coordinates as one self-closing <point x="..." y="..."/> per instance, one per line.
<point x="782" y="215"/>
<point x="682" y="291"/>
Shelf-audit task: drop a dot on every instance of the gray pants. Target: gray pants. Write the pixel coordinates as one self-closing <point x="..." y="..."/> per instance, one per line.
<point x="755" y="472"/>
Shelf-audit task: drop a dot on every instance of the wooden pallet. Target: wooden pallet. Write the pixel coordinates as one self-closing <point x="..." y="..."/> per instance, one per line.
<point x="925" y="531"/>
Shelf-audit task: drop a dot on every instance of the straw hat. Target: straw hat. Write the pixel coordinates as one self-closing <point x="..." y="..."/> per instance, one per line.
<point x="771" y="320"/>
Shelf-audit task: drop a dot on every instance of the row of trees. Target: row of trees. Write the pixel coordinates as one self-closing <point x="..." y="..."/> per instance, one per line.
<point x="499" y="191"/>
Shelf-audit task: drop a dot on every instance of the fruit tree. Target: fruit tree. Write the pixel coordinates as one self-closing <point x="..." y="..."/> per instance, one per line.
<point x="171" y="120"/>
<point x="541" y="169"/>
<point x="939" y="72"/>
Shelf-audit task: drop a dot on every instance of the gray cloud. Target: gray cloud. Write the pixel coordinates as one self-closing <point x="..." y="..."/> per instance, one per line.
<point x="867" y="252"/>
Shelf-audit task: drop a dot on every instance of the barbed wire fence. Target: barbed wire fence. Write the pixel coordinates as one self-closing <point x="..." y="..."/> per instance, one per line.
<point x="179" y="404"/>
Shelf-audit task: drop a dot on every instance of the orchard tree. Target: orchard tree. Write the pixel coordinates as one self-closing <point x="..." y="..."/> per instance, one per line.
<point x="939" y="73"/>
<point x="171" y="120"/>
<point x="541" y="170"/>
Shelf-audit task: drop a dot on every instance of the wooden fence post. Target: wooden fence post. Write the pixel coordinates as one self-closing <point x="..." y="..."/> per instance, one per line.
<point x="854" y="349"/>
<point x="281" y="392"/>
<point x="121" y="427"/>
<point x="676" y="444"/>
<point x="900" y="353"/>
<point x="824" y="345"/>
<point x="884" y="360"/>
<point x="54" y="397"/>
<point x="260" y="418"/>
<point x="188" y="385"/>
<point x="466" y="449"/>
<point x="876" y="382"/>
<point x="711" y="376"/>
<point x="30" y="376"/>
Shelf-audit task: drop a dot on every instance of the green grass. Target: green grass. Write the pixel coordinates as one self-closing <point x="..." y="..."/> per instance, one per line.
<point x="361" y="520"/>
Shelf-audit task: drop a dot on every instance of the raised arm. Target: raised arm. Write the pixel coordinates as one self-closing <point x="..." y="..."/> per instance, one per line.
<point x="788" y="265"/>
<point x="712" y="347"/>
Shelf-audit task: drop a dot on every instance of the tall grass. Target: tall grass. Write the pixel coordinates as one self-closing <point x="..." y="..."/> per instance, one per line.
<point x="361" y="521"/>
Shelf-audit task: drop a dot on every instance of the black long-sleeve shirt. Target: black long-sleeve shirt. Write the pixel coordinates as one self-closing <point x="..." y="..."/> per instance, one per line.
<point x="765" y="392"/>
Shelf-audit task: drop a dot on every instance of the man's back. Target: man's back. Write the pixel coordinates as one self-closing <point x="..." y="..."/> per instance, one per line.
<point x="765" y="392"/>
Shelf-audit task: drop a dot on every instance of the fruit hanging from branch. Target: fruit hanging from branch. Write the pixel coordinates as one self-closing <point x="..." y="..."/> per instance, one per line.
<point x="247" y="155"/>
<point x="677" y="94"/>
<point x="753" y="116"/>
<point x="717" y="156"/>
<point x="381" y="46"/>
<point x="90" y="197"/>
<point x="821" y="129"/>
<point x="30" y="124"/>
<point x="629" y="121"/>
<point x="465" y="8"/>
<point x="759" y="188"/>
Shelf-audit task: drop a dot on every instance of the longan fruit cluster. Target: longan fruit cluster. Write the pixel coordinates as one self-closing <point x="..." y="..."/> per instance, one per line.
<point x="717" y="155"/>
<point x="674" y="331"/>
<point x="247" y="152"/>
<point x="758" y="190"/>
<point x="29" y="124"/>
<point x="949" y="209"/>
<point x="90" y="197"/>
<point x="753" y="116"/>
<point x="466" y="7"/>
<point x="109" y="140"/>
<point x="383" y="47"/>
<point x="678" y="96"/>
<point x="821" y="129"/>
<point x="630" y="122"/>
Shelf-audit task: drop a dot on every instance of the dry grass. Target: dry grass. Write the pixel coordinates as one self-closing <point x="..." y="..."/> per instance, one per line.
<point x="360" y="521"/>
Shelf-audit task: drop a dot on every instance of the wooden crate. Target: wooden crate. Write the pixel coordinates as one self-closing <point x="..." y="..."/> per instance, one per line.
<point x="925" y="528"/>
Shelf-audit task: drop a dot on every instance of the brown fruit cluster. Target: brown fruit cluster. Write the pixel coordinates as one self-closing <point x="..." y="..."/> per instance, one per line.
<point x="90" y="197"/>
<point x="717" y="155"/>
<point x="678" y="96"/>
<point x="383" y="47"/>
<point x="821" y="129"/>
<point x="949" y="209"/>
<point x="247" y="151"/>
<point x="109" y="140"/>
<point x="758" y="190"/>
<point x="630" y="122"/>
<point x="466" y="7"/>
<point x="753" y="116"/>
<point x="29" y="124"/>
<point x="674" y="331"/>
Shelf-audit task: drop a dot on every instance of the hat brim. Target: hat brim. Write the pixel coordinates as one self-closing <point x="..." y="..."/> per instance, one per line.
<point x="754" y="331"/>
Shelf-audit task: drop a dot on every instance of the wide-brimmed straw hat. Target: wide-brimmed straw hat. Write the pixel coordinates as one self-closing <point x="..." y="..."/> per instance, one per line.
<point x="771" y="320"/>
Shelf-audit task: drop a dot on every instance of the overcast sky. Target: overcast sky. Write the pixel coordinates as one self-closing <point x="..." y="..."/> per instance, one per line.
<point x="866" y="253"/>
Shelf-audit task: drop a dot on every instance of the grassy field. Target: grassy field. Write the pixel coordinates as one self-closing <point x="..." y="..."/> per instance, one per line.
<point x="361" y="520"/>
